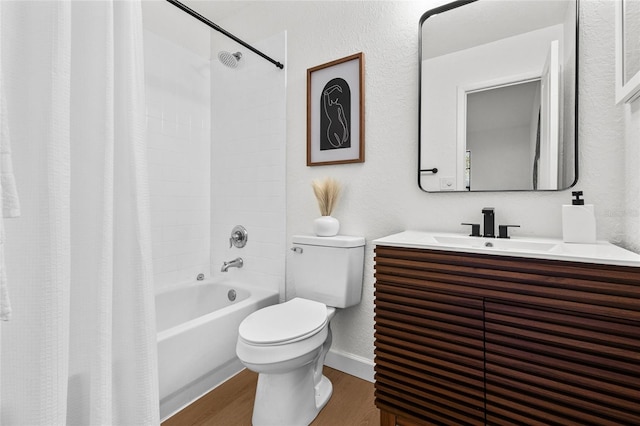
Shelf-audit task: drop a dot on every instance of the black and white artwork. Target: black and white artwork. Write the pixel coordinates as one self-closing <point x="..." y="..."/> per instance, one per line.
<point x="335" y="120"/>
<point x="335" y="108"/>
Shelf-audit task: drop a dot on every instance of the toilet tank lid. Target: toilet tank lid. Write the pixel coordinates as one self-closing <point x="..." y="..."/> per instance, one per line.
<point x="336" y="241"/>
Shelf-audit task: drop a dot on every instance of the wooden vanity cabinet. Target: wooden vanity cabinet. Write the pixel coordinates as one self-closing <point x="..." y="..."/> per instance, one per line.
<point x="473" y="339"/>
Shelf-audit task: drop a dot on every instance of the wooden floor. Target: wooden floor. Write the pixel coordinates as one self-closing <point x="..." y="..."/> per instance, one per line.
<point x="232" y="403"/>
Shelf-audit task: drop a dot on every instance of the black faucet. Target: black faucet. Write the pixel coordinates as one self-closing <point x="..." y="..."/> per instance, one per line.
<point x="489" y="222"/>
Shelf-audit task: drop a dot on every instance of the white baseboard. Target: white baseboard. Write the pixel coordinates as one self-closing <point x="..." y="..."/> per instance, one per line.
<point x="350" y="364"/>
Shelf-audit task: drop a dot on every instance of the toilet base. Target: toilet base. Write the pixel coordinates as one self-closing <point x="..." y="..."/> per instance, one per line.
<point x="290" y="398"/>
<point x="324" y="390"/>
<point x="291" y="391"/>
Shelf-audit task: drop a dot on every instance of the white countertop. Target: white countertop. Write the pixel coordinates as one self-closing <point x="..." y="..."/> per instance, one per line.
<point x="537" y="248"/>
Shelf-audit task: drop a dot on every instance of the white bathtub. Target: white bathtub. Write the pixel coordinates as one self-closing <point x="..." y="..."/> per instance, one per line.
<point x="197" y="333"/>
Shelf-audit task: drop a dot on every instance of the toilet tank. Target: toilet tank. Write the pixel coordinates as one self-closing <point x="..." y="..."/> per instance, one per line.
<point x="328" y="269"/>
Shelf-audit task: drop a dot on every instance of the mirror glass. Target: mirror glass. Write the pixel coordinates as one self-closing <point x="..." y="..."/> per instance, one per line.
<point x="631" y="39"/>
<point x="498" y="96"/>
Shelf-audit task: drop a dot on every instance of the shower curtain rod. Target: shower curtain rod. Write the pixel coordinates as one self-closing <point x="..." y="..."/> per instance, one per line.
<point x="213" y="25"/>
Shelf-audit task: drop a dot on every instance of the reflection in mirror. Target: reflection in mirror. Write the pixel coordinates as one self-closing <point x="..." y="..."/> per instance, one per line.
<point x="502" y="122"/>
<point x="631" y="39"/>
<point x="498" y="96"/>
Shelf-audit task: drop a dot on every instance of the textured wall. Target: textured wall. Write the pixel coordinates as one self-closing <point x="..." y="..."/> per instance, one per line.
<point x="381" y="195"/>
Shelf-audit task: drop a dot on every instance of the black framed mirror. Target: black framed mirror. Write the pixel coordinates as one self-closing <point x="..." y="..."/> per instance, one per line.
<point x="498" y="96"/>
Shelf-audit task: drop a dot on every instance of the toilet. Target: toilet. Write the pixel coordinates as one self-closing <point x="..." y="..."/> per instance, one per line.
<point x="286" y="344"/>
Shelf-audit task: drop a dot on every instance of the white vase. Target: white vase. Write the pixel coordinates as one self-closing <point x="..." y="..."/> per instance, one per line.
<point x="326" y="226"/>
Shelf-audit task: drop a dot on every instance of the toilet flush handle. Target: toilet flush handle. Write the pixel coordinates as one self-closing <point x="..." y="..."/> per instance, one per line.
<point x="296" y="249"/>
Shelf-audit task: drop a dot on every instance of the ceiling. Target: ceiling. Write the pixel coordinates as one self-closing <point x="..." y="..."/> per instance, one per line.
<point x="163" y="18"/>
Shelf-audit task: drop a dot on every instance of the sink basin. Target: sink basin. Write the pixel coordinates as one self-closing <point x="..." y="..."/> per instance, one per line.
<point x="540" y="248"/>
<point x="494" y="243"/>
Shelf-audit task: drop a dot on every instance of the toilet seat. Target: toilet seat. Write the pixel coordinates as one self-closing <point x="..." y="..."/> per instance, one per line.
<point x="288" y="322"/>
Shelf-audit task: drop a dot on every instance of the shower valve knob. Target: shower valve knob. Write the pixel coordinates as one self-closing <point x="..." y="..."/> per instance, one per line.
<point x="239" y="237"/>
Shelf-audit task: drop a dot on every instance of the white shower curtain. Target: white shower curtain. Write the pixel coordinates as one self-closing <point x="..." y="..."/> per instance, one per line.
<point x="81" y="346"/>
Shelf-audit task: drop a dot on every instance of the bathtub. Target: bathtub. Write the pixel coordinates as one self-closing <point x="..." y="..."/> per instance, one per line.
<point x="197" y="332"/>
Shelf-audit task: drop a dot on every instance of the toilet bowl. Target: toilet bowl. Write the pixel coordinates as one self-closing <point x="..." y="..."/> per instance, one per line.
<point x="286" y="344"/>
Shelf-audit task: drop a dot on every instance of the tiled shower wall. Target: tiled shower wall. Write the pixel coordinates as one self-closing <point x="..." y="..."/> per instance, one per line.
<point x="248" y="162"/>
<point x="179" y="146"/>
<point x="203" y="185"/>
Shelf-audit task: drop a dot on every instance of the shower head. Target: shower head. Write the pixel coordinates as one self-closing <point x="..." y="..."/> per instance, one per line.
<point x="228" y="59"/>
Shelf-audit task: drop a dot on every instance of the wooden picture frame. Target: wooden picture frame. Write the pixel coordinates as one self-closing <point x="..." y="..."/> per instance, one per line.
<point x="335" y="112"/>
<point x="627" y="57"/>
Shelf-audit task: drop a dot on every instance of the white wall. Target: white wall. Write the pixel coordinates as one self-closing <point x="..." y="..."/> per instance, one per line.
<point x="179" y="143"/>
<point x="382" y="195"/>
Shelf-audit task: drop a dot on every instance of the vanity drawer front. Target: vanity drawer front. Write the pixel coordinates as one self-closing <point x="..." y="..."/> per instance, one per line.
<point x="429" y="355"/>
<point x="548" y="367"/>
<point x="612" y="291"/>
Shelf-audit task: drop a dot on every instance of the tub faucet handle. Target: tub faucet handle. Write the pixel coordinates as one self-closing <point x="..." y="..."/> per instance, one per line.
<point x="239" y="236"/>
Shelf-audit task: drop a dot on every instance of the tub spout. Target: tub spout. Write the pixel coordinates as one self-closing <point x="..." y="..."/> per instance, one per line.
<point x="235" y="263"/>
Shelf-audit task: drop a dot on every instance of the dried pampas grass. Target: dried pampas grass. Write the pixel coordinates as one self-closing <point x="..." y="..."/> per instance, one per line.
<point x="327" y="192"/>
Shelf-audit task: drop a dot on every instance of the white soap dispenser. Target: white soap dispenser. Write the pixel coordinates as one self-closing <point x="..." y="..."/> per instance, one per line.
<point x="578" y="221"/>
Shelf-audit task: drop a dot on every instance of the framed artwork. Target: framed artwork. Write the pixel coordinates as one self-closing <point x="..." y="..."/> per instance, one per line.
<point x="335" y="112"/>
<point x="627" y="50"/>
